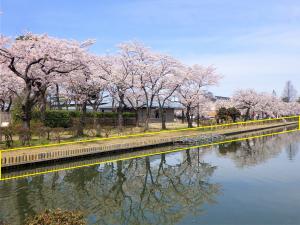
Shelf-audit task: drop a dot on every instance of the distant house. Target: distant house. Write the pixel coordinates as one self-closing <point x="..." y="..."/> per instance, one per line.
<point x="155" y="116"/>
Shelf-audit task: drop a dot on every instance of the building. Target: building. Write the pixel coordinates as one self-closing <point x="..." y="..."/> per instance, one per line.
<point x="155" y="116"/>
<point x="108" y="106"/>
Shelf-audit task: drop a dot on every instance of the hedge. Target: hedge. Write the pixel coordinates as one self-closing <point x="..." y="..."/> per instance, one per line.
<point x="58" y="119"/>
<point x="63" y="118"/>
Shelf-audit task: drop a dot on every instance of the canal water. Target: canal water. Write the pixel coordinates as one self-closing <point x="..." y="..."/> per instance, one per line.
<point x="250" y="182"/>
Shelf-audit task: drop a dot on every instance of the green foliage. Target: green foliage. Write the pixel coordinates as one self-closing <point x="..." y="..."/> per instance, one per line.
<point x="73" y="114"/>
<point x="17" y="112"/>
<point x="57" y="217"/>
<point x="57" y="119"/>
<point x="128" y="115"/>
<point x="23" y="133"/>
<point x="222" y="113"/>
<point x="109" y="114"/>
<point x="8" y="134"/>
<point x="234" y="113"/>
<point x="63" y="118"/>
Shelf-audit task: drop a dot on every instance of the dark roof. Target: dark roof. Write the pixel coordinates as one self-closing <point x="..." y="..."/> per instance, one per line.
<point x="170" y="105"/>
<point x="221" y="98"/>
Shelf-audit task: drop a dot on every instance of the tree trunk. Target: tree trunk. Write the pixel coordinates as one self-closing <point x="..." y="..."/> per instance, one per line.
<point x="2" y="106"/>
<point x="247" y="114"/>
<point x="28" y="102"/>
<point x="198" y="116"/>
<point x="120" y="117"/>
<point x="188" y="117"/>
<point x="57" y="97"/>
<point x="163" y="119"/>
<point x="26" y="115"/>
<point x="82" y="121"/>
<point x="43" y="106"/>
<point x="137" y="122"/>
<point x="148" y="113"/>
<point x="182" y="116"/>
<point x="26" y="118"/>
<point x="113" y="108"/>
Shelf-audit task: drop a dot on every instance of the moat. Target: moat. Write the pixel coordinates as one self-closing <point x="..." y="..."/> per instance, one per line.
<point x="249" y="182"/>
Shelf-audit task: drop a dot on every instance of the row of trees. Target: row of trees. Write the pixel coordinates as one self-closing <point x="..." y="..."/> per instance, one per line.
<point x="36" y="66"/>
<point x="256" y="105"/>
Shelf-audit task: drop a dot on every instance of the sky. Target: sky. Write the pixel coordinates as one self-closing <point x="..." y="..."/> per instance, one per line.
<point x="252" y="44"/>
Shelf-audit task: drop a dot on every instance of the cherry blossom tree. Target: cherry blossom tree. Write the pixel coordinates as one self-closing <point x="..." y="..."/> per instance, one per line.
<point x="153" y="74"/>
<point x="267" y="105"/>
<point x="223" y="104"/>
<point x="191" y="93"/>
<point x="135" y="100"/>
<point x="263" y="105"/>
<point x="247" y="101"/>
<point x="116" y="71"/>
<point x="10" y="88"/>
<point x="86" y="87"/>
<point x="139" y="61"/>
<point x="39" y="60"/>
<point x="168" y="81"/>
<point x="204" y="107"/>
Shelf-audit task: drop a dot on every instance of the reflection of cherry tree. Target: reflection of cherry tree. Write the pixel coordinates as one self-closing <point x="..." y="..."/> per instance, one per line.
<point x="257" y="151"/>
<point x="150" y="190"/>
<point x="140" y="193"/>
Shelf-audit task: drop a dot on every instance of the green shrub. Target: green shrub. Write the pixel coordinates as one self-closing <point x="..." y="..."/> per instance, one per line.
<point x="17" y="112"/>
<point x="222" y="113"/>
<point x="234" y="113"/>
<point x="109" y="114"/>
<point x="8" y="133"/>
<point x="128" y="115"/>
<point x="105" y="114"/>
<point x="57" y="118"/>
<point x="74" y="114"/>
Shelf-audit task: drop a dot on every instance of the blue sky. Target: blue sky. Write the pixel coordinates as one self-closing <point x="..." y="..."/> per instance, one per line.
<point x="253" y="44"/>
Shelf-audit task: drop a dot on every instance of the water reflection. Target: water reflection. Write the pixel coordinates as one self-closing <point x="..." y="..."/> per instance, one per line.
<point x="256" y="151"/>
<point x="161" y="189"/>
<point x="150" y="190"/>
